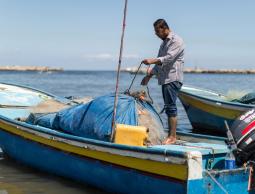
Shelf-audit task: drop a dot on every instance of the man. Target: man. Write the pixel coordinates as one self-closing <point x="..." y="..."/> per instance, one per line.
<point x="169" y="70"/>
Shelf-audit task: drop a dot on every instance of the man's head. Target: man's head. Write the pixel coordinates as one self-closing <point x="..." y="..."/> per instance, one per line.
<point x="161" y="28"/>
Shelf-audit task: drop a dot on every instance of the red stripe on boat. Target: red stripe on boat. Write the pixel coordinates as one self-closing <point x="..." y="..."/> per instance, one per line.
<point x="248" y="128"/>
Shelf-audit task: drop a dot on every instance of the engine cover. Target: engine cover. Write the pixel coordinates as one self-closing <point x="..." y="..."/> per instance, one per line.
<point x="243" y="131"/>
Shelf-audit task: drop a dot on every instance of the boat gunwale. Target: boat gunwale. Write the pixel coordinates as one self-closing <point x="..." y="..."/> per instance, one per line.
<point x="212" y="100"/>
<point x="55" y="97"/>
<point x="83" y="140"/>
<point x="69" y="137"/>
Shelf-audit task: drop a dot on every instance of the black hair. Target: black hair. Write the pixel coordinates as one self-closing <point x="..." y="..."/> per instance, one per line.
<point x="161" y="23"/>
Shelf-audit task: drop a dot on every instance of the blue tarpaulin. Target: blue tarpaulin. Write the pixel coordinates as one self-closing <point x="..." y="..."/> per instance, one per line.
<point x="94" y="119"/>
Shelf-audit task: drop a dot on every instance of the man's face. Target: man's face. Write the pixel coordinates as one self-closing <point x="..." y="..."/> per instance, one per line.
<point x="160" y="32"/>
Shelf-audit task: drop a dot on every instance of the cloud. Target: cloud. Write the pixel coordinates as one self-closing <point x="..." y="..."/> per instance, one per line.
<point x="108" y="57"/>
<point x="102" y="56"/>
<point x="131" y="56"/>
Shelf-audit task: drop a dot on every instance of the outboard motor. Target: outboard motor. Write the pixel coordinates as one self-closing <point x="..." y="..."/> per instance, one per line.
<point x="243" y="131"/>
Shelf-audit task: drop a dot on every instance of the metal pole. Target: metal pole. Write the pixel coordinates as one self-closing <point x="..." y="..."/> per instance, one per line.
<point x="118" y="72"/>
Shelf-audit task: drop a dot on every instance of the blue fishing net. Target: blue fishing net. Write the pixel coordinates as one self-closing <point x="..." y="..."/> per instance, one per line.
<point x="94" y="119"/>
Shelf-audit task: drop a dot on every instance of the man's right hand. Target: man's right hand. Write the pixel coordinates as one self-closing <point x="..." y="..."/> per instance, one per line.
<point x="145" y="80"/>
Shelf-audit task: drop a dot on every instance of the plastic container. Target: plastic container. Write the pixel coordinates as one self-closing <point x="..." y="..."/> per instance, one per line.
<point x="230" y="161"/>
<point x="131" y="135"/>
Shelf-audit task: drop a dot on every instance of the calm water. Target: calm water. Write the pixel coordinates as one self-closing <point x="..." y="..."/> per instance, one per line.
<point x="18" y="179"/>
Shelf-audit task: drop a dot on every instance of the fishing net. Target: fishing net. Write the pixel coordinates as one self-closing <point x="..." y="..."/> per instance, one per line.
<point x="52" y="106"/>
<point x="235" y="94"/>
<point x="246" y="99"/>
<point x="93" y="119"/>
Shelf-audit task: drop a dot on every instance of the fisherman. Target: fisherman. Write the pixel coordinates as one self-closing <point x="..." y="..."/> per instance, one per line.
<point x="169" y="71"/>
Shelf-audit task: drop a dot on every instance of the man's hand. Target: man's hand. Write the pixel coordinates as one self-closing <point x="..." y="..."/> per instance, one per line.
<point x="151" y="61"/>
<point x="146" y="80"/>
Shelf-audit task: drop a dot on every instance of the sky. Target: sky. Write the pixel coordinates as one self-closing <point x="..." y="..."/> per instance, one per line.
<point x="85" y="34"/>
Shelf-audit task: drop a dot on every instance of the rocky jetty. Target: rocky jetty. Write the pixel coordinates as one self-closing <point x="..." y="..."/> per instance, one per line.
<point x="197" y="70"/>
<point x="220" y="71"/>
<point x="28" y="68"/>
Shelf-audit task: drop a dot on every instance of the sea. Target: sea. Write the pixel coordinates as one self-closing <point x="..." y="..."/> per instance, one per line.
<point x="16" y="178"/>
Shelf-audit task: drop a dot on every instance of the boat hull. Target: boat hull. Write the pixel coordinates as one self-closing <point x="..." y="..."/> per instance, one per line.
<point x="207" y="114"/>
<point x="101" y="174"/>
<point x="104" y="175"/>
<point x="116" y="178"/>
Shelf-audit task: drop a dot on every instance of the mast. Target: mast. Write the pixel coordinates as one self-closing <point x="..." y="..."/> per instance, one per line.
<point x="118" y="72"/>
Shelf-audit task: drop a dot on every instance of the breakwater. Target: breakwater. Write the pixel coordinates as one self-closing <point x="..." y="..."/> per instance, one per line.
<point x="28" y="68"/>
<point x="197" y="70"/>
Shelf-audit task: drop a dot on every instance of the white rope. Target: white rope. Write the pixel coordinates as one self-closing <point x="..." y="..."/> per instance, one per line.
<point x="219" y="185"/>
<point x="211" y="176"/>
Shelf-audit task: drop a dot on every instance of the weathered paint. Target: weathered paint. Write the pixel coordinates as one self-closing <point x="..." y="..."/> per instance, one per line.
<point x="104" y="175"/>
<point x="233" y="182"/>
<point x="195" y="165"/>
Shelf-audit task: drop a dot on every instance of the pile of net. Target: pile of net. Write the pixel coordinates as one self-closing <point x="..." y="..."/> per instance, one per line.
<point x="246" y="99"/>
<point x="94" y="118"/>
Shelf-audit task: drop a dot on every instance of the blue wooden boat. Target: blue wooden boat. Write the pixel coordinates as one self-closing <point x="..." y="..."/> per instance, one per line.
<point x="207" y="109"/>
<point x="194" y="165"/>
